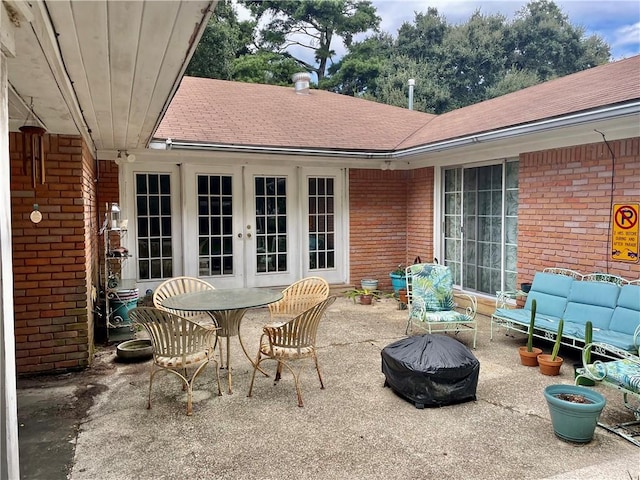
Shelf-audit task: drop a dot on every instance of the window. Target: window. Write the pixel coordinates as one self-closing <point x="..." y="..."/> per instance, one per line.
<point x="153" y="216"/>
<point x="215" y="225"/>
<point x="271" y="224"/>
<point x="321" y="223"/>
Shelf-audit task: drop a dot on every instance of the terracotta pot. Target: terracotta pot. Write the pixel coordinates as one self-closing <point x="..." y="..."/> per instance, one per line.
<point x="402" y="294"/>
<point x="548" y="366"/>
<point x="529" y="359"/>
<point x="366" y="299"/>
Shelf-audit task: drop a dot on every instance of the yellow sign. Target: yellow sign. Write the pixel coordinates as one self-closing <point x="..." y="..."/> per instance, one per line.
<point x="625" y="240"/>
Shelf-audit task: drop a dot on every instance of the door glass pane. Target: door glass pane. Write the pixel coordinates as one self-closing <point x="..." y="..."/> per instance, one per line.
<point x="272" y="250"/>
<point x="215" y="233"/>
<point x="480" y="244"/>
<point x="155" y="248"/>
<point x="321" y="223"/>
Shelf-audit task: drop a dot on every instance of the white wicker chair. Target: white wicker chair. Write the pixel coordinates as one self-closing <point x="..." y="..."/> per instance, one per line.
<point x="292" y="340"/>
<point x="177" y="286"/>
<point x="179" y="344"/>
<point x="300" y="296"/>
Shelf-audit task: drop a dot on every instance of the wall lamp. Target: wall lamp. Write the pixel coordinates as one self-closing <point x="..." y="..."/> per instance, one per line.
<point x="124" y="155"/>
<point x="387" y="165"/>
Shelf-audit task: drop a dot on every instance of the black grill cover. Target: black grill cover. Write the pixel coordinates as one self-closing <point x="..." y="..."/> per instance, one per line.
<point x="431" y="370"/>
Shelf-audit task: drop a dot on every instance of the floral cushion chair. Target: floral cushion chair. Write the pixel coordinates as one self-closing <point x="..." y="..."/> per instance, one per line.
<point x="430" y="301"/>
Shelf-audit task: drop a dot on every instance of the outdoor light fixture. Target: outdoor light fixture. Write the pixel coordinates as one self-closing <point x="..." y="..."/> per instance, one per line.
<point x="33" y="146"/>
<point x="124" y="155"/>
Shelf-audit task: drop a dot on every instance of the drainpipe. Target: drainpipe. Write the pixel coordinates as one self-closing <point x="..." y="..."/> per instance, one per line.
<point x="412" y="83"/>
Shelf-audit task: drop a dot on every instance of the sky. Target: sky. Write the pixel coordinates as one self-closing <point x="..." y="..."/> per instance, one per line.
<point x="616" y="21"/>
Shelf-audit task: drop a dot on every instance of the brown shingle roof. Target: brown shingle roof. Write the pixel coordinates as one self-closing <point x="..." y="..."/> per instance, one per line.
<point x="608" y="84"/>
<point x="234" y="113"/>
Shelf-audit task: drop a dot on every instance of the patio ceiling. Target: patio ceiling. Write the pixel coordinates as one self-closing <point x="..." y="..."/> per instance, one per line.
<point x="103" y="69"/>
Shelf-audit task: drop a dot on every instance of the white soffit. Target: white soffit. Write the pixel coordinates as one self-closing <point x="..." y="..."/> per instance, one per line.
<point x="104" y="69"/>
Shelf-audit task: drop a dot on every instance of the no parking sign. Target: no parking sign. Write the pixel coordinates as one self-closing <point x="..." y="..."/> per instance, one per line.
<point x="625" y="240"/>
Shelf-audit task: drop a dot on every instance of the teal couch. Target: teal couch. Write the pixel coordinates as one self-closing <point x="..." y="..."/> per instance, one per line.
<point x="613" y="309"/>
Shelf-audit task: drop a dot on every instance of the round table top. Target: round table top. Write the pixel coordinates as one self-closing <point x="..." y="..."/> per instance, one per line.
<point x="222" y="299"/>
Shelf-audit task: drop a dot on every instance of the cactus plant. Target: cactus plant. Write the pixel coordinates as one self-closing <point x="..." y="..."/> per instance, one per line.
<point x="556" y="346"/>
<point x="531" y="325"/>
<point x="588" y="338"/>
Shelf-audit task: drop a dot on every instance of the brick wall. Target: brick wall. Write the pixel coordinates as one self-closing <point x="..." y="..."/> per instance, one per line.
<point x="378" y="224"/>
<point x="50" y="260"/>
<point x="565" y="207"/>
<point x="420" y="214"/>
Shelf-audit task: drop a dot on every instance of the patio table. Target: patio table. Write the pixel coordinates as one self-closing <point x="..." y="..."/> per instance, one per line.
<point x="226" y="307"/>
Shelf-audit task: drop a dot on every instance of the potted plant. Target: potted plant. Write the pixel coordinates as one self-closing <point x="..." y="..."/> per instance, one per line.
<point x="574" y="411"/>
<point x="399" y="278"/>
<point x="550" y="364"/>
<point x="529" y="353"/>
<point x="364" y="295"/>
<point x="578" y="367"/>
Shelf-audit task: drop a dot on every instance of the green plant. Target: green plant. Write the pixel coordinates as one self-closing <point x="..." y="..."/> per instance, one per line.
<point x="531" y="325"/>
<point x="359" y="292"/>
<point x="400" y="270"/>
<point x="588" y="338"/>
<point x="556" y="346"/>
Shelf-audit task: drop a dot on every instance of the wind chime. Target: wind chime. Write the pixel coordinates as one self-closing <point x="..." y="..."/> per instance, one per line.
<point x="33" y="147"/>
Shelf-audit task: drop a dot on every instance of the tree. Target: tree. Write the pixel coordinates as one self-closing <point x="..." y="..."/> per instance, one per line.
<point x="311" y="25"/>
<point x="264" y="67"/>
<point x="225" y="39"/>
<point x="543" y="41"/>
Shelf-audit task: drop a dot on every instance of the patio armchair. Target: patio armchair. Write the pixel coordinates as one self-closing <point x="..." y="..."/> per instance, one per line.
<point x="299" y="296"/>
<point x="291" y="340"/>
<point x="178" y="286"/>
<point x="179" y="345"/>
<point x="431" y="304"/>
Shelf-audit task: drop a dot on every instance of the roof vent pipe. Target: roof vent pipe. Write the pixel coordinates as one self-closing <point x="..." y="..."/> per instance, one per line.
<point x="301" y="81"/>
<point x="412" y="83"/>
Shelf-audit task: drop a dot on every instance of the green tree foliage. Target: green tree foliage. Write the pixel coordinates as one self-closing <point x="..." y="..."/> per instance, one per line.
<point x="458" y="65"/>
<point x="543" y="41"/>
<point x="265" y="67"/>
<point x="311" y="25"/>
<point x="224" y="40"/>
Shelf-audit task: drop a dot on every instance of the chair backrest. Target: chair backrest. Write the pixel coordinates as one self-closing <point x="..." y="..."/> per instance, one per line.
<point x="177" y="286"/>
<point x="172" y="335"/>
<point x="300" y="296"/>
<point x="430" y="287"/>
<point x="300" y="331"/>
<point x="605" y="277"/>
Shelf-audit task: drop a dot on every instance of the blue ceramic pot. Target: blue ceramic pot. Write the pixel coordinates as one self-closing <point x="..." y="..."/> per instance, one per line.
<point x="398" y="282"/>
<point x="574" y="422"/>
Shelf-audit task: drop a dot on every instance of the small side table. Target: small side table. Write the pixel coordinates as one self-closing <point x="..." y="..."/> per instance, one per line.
<point x="503" y="296"/>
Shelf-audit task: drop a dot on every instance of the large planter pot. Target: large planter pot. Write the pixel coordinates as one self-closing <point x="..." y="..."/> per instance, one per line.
<point x="366" y="299"/>
<point x="548" y="366"/>
<point x="574" y="422"/>
<point x="529" y="359"/>
<point x="398" y="282"/>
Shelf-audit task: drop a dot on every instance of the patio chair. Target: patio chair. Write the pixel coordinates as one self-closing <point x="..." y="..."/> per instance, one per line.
<point x="299" y="296"/>
<point x="430" y="301"/>
<point x="179" y="344"/>
<point x="291" y="340"/>
<point x="178" y="286"/>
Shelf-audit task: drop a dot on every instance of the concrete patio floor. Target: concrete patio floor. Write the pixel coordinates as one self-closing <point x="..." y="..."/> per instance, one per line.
<point x="94" y="425"/>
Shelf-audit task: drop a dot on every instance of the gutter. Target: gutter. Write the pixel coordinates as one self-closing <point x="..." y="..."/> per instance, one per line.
<point x="540" y="126"/>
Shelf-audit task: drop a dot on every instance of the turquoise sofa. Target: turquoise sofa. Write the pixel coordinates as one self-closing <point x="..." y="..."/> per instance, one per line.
<point x="613" y="309"/>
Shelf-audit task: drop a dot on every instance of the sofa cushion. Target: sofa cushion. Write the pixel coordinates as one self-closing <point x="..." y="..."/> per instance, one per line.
<point x="593" y="301"/>
<point x="623" y="341"/>
<point x="550" y="292"/>
<point x="626" y="315"/>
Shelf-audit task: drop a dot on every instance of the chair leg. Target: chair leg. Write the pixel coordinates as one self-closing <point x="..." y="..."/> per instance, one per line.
<point x="278" y="373"/>
<point x="315" y="358"/>
<point x="150" y="385"/>
<point x="253" y="375"/>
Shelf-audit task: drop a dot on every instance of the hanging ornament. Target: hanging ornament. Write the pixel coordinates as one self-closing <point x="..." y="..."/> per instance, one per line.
<point x="33" y="147"/>
<point x="36" y="215"/>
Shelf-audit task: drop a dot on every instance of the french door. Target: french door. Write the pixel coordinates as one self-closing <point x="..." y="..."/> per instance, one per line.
<point x="253" y="226"/>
